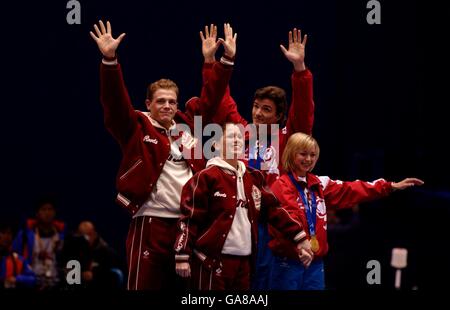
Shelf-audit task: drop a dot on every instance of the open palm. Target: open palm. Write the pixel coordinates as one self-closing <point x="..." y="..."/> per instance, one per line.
<point x="229" y="43"/>
<point x="296" y="49"/>
<point x="209" y="43"/>
<point x="104" y="39"/>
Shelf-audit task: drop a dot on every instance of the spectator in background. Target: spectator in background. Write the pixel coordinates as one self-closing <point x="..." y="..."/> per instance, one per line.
<point x="40" y="242"/>
<point x="14" y="271"/>
<point x="103" y="269"/>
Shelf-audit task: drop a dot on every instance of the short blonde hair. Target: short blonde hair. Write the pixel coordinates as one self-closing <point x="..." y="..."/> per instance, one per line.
<point x="161" y="84"/>
<point x="296" y="143"/>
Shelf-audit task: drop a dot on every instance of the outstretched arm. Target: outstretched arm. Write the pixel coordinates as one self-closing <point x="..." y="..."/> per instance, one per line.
<point x="301" y="111"/>
<point x="119" y="114"/>
<point x="348" y="194"/>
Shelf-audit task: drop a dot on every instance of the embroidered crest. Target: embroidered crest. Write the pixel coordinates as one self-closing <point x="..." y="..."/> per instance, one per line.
<point x="256" y="195"/>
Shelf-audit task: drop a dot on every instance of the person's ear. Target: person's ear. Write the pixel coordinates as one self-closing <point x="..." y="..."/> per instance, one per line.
<point x="279" y="116"/>
<point x="147" y="103"/>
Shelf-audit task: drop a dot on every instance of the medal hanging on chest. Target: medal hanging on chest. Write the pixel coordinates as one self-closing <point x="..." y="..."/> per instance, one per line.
<point x="310" y="210"/>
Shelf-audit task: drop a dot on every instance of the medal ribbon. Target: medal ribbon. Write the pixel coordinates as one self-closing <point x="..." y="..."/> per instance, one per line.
<point x="310" y="212"/>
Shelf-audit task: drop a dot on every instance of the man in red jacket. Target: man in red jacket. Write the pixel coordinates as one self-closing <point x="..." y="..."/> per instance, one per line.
<point x="158" y="156"/>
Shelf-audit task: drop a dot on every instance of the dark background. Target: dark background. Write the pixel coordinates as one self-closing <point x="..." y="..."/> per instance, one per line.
<point x="380" y="93"/>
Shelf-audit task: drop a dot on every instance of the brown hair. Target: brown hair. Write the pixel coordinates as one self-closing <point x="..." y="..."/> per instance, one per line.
<point x="278" y="96"/>
<point x="162" y="83"/>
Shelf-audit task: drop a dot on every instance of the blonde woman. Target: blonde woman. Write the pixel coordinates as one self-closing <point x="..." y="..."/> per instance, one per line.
<point x="307" y="195"/>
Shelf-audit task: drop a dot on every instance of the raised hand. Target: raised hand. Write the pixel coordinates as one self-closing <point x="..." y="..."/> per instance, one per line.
<point x="104" y="39"/>
<point x="408" y="182"/>
<point x="229" y="43"/>
<point x="210" y="44"/>
<point x="296" y="49"/>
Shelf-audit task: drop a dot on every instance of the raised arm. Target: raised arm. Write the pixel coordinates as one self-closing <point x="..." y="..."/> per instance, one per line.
<point x="215" y="103"/>
<point x="119" y="115"/>
<point x="301" y="111"/>
<point x="225" y="110"/>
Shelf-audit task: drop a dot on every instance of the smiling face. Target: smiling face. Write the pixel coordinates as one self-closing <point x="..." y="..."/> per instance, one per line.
<point x="265" y="112"/>
<point x="269" y="106"/>
<point x="305" y="159"/>
<point x="232" y="142"/>
<point x="163" y="106"/>
<point x="300" y="154"/>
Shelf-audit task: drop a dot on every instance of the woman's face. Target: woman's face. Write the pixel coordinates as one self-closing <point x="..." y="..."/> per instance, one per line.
<point x="305" y="160"/>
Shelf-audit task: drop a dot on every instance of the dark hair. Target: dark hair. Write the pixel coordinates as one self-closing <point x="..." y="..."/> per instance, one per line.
<point x="43" y="200"/>
<point x="278" y="96"/>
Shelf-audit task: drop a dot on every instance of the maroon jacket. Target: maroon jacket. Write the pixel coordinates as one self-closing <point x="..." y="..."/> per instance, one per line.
<point x="208" y="205"/>
<point x="144" y="147"/>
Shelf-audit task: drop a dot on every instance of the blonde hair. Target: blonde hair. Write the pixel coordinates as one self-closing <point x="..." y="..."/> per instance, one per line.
<point x="296" y="143"/>
<point x="161" y="84"/>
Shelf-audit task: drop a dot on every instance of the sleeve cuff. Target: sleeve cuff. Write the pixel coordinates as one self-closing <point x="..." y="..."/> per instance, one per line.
<point x="109" y="62"/>
<point x="300" y="74"/>
<point x="300" y="236"/>
<point x="181" y="257"/>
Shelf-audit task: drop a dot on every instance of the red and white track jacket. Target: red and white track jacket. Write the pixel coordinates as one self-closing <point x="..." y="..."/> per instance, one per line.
<point x="331" y="193"/>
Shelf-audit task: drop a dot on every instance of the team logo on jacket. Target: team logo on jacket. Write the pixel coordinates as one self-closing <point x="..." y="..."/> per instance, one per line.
<point x="256" y="195"/>
<point x="188" y="141"/>
<point x="270" y="161"/>
<point x="219" y="194"/>
<point x="321" y="208"/>
<point x="148" y="140"/>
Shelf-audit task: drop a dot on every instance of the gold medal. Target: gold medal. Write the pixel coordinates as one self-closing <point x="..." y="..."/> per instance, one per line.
<point x="314" y="244"/>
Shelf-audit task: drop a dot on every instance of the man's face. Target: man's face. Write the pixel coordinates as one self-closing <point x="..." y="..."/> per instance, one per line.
<point x="46" y="213"/>
<point x="232" y="142"/>
<point x="264" y="112"/>
<point x="163" y="106"/>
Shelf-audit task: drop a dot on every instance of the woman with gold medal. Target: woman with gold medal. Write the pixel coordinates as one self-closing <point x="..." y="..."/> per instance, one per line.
<point x="305" y="196"/>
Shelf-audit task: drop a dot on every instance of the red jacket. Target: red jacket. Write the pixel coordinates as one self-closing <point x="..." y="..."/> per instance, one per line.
<point x="300" y="117"/>
<point x="208" y="205"/>
<point x="335" y="194"/>
<point x="144" y="147"/>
